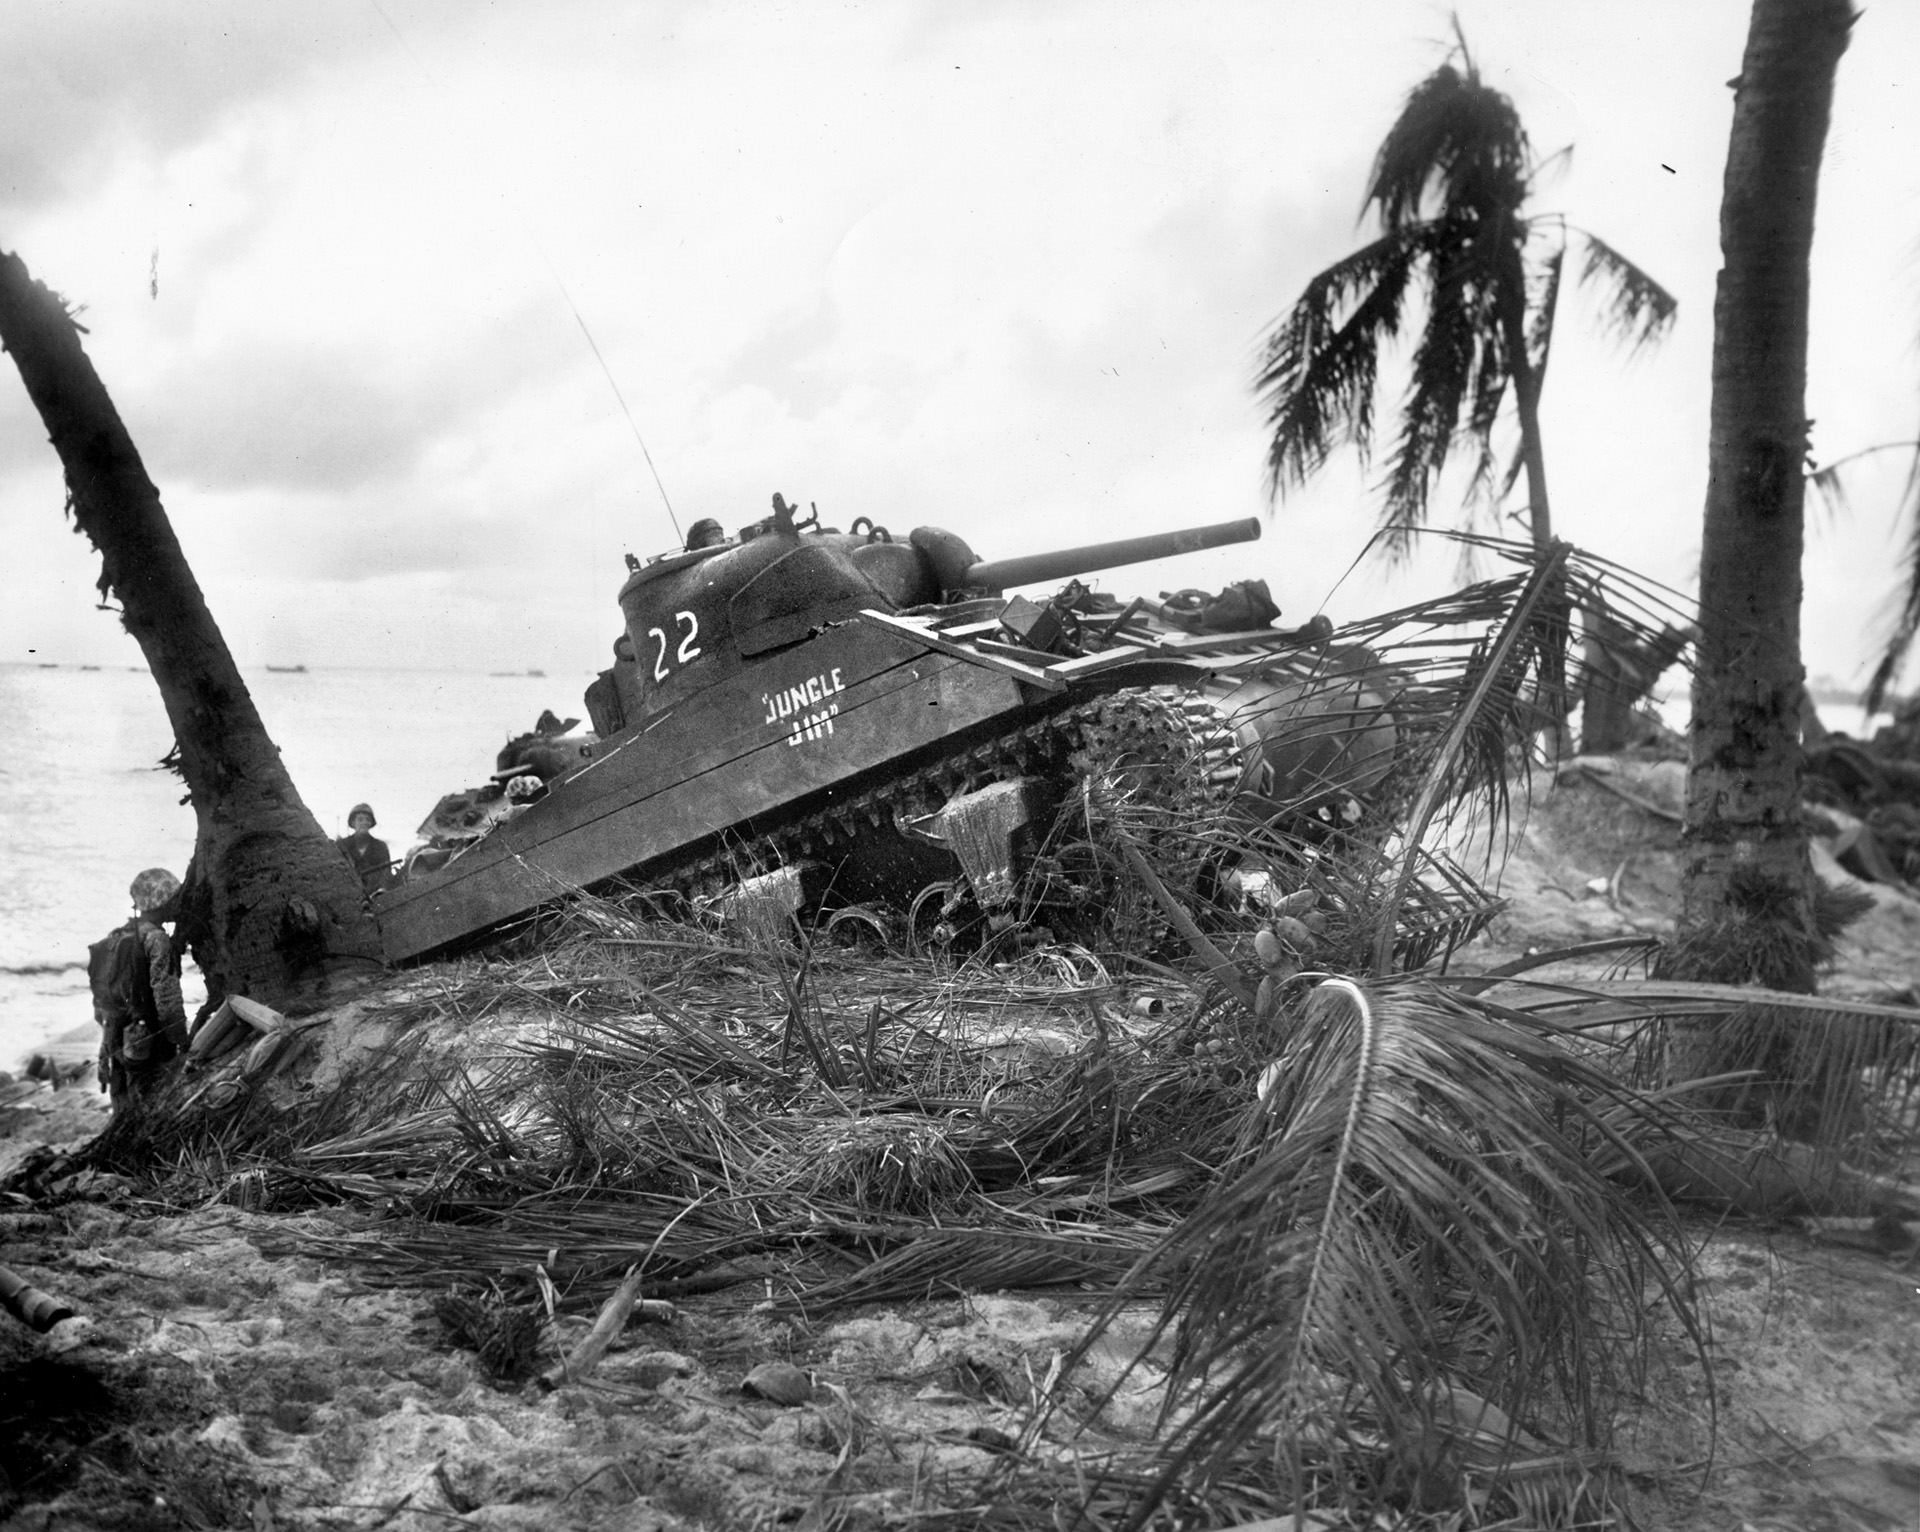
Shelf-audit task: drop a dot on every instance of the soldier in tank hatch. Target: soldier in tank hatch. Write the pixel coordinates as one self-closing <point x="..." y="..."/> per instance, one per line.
<point x="134" y="974"/>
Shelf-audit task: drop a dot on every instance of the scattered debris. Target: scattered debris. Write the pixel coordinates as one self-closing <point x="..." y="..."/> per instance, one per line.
<point x="614" y="1313"/>
<point x="778" y="1383"/>
<point x="26" y="1303"/>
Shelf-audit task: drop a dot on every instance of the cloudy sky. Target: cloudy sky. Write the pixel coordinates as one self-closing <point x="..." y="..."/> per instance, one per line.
<point x="998" y="267"/>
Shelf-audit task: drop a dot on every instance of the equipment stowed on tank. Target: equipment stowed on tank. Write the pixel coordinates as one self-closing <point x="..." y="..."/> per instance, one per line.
<point x="799" y="711"/>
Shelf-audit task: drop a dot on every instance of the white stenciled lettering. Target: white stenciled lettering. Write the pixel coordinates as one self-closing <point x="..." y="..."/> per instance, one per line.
<point x="802" y="727"/>
<point x="805" y="709"/>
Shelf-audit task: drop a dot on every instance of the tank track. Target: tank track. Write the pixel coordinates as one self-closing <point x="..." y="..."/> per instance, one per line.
<point x="1159" y="723"/>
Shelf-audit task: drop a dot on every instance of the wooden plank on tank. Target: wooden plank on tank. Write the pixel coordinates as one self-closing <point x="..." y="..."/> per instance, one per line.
<point x="1093" y="664"/>
<point x="1255" y="638"/>
<point x="974" y="654"/>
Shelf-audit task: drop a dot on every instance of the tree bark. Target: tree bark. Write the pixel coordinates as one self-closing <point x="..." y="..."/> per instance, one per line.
<point x="276" y="906"/>
<point x="1747" y="911"/>
<point x="1526" y="398"/>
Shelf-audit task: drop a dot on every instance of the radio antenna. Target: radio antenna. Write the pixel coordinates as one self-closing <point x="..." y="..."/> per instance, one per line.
<point x="613" y="384"/>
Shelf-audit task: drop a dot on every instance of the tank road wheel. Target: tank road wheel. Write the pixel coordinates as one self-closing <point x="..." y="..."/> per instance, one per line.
<point x="1086" y="892"/>
<point x="1070" y="884"/>
<point x="930" y="925"/>
<point x="855" y="918"/>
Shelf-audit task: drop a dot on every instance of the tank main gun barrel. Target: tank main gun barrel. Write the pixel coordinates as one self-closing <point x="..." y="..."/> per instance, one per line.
<point x="1065" y="563"/>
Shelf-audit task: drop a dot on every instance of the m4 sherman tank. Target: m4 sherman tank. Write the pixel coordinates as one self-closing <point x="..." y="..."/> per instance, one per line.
<point x="797" y="708"/>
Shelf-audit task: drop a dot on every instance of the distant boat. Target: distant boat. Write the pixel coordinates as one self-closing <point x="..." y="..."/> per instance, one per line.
<point x="288" y="670"/>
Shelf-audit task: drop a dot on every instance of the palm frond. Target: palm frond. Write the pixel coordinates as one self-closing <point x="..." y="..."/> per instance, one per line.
<point x="1829" y="484"/>
<point x="1456" y="141"/>
<point x="1543" y="309"/>
<point x="1531" y="641"/>
<point x="1415" y="1268"/>
<point x="1491" y="393"/>
<point x="1831" y="1070"/>
<point x="1409" y="675"/>
<point x="1829" y="488"/>
<point x="1319" y="366"/>
<point x="1906" y="619"/>
<point x="1673" y="996"/>
<point x="1451" y="178"/>
<point x="1634" y="308"/>
<point x="1460" y="357"/>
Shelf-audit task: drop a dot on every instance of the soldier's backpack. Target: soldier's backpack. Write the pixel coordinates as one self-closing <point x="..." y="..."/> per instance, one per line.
<point x="117" y="973"/>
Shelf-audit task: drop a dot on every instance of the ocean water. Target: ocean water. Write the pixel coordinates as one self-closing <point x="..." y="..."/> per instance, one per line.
<point x="84" y="805"/>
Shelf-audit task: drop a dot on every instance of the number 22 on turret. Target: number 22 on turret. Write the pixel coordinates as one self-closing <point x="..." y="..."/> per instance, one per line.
<point x="687" y="650"/>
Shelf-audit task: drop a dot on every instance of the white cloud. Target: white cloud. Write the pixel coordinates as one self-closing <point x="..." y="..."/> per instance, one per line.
<point x="997" y="267"/>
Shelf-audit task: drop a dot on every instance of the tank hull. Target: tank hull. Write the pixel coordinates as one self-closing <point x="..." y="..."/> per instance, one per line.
<point x="729" y="761"/>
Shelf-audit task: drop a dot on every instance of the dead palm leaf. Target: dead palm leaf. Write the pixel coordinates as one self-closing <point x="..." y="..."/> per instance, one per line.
<point x="1531" y="644"/>
<point x="1449" y="187"/>
<point x="1414" y="1244"/>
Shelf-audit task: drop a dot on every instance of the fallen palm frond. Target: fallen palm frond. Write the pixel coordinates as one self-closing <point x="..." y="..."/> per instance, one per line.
<point x="1530" y="645"/>
<point x="1416" y="1272"/>
<point x="1795" y="1103"/>
<point x="945" y="1262"/>
<point x="1411" y="724"/>
<point x="650" y="1103"/>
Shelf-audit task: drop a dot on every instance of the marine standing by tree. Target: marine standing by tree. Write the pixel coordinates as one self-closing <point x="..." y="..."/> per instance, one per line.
<point x="368" y="853"/>
<point x="268" y="908"/>
<point x="135" y="977"/>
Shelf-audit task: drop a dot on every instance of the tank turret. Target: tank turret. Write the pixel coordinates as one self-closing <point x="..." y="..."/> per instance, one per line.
<point x="694" y="617"/>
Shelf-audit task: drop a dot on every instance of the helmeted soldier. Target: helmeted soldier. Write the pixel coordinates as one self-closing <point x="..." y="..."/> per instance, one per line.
<point x="134" y="974"/>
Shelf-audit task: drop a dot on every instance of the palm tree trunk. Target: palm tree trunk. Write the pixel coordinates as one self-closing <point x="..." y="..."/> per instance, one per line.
<point x="1556" y="696"/>
<point x="1748" y="885"/>
<point x="1526" y="395"/>
<point x="278" y="905"/>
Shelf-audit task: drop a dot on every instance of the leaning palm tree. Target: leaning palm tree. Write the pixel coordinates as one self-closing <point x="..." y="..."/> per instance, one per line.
<point x="273" y="910"/>
<point x="1450" y="187"/>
